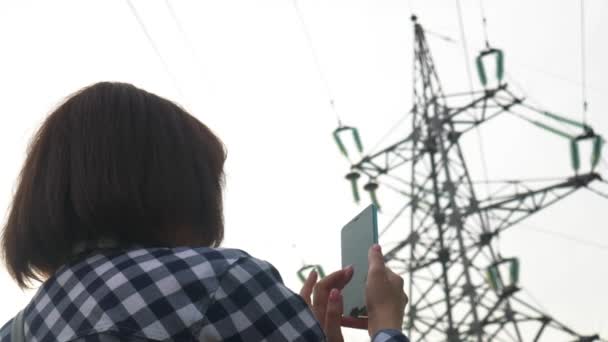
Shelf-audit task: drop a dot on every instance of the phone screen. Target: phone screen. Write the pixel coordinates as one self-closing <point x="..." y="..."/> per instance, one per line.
<point x="357" y="237"/>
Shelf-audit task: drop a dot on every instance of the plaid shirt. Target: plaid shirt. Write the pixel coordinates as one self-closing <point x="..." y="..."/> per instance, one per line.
<point x="162" y="294"/>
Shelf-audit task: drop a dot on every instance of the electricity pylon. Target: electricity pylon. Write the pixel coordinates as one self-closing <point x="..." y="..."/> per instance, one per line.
<point x="461" y="289"/>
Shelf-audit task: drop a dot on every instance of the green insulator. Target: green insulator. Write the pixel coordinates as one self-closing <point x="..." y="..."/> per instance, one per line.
<point x="371" y="187"/>
<point x="353" y="177"/>
<point x="514" y="270"/>
<point x="574" y="155"/>
<point x="500" y="67"/>
<point x="339" y="142"/>
<point x="301" y="272"/>
<point x="493" y="279"/>
<point x="320" y="271"/>
<point x="500" y="64"/>
<point x="598" y="142"/>
<point x="481" y="71"/>
<point x="357" y="139"/>
<point x="551" y="129"/>
<point x="563" y="119"/>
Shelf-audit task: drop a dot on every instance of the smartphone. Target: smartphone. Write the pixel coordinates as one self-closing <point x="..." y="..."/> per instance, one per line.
<point x="358" y="236"/>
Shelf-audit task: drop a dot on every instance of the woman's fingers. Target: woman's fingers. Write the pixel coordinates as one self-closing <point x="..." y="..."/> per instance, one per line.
<point x="354" y="322"/>
<point x="336" y="280"/>
<point x="308" y="287"/>
<point x="333" y="317"/>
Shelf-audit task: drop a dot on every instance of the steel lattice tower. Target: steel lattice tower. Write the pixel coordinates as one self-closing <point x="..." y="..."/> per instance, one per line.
<point x="460" y="288"/>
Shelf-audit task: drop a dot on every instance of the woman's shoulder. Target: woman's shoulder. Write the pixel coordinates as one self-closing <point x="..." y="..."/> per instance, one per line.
<point x="216" y="263"/>
<point x="152" y="264"/>
<point x="169" y="269"/>
<point x="176" y="284"/>
<point x="5" y="331"/>
<point x="227" y="265"/>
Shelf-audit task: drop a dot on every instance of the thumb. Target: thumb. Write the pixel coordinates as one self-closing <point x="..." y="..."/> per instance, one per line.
<point x="375" y="260"/>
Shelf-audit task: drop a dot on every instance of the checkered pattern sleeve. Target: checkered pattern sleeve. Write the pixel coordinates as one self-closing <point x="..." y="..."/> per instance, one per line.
<point x="390" y="335"/>
<point x="251" y="303"/>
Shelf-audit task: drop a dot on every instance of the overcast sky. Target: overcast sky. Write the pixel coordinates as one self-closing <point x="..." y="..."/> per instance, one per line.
<point x="245" y="69"/>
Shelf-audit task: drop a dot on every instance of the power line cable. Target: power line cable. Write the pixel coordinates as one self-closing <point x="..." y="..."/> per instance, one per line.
<point x="605" y="163"/>
<point x="441" y="36"/>
<point x="515" y="62"/>
<point x="583" y="63"/>
<point x="534" y="299"/>
<point x="518" y="64"/>
<point x="597" y="192"/>
<point x="203" y="72"/>
<point x="154" y="46"/>
<point x="523" y="180"/>
<point x="389" y="132"/>
<point x="316" y="61"/>
<point x="568" y="237"/>
<point x="181" y="30"/>
<point x="523" y="90"/>
<point x="465" y="47"/>
<point x="411" y="4"/>
<point x="484" y="23"/>
<point x="550" y="74"/>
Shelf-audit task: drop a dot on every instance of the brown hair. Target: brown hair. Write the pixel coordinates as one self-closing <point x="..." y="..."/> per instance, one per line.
<point x="113" y="162"/>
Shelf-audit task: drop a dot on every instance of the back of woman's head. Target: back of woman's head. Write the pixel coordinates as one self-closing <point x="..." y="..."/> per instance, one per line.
<point x="113" y="162"/>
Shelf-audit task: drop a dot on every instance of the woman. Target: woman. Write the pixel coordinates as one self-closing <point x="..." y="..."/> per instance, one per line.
<point x="118" y="212"/>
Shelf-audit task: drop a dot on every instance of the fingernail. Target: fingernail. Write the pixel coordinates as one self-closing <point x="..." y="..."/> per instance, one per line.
<point x="334" y="294"/>
<point x="349" y="270"/>
<point x="377" y="248"/>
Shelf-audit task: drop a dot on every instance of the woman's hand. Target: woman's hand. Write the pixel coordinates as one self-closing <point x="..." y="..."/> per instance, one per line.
<point x="384" y="295"/>
<point x="327" y="305"/>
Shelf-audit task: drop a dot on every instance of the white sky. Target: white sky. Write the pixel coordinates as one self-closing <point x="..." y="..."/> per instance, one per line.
<point x="250" y="76"/>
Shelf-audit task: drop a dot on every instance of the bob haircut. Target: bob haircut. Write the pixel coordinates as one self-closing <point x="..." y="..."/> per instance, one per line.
<point x="113" y="162"/>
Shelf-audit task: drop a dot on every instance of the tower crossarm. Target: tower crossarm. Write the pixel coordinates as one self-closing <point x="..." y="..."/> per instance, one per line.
<point x="485" y="105"/>
<point x="517" y="200"/>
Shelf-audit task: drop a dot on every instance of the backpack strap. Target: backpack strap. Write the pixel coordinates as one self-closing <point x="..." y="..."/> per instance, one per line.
<point x="17" y="334"/>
